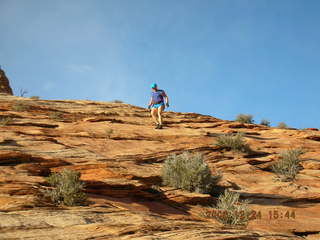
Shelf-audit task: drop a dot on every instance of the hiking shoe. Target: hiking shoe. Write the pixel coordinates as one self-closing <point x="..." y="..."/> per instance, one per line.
<point x="157" y="126"/>
<point x="160" y="126"/>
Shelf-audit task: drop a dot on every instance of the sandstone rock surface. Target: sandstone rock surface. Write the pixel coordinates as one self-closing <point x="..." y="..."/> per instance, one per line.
<point x="121" y="168"/>
<point x="4" y="84"/>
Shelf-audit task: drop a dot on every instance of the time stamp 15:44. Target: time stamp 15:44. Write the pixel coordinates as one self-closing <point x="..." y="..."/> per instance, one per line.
<point x="273" y="214"/>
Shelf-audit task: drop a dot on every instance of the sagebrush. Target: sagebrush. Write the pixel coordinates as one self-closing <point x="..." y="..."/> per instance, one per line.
<point x="67" y="189"/>
<point x="233" y="142"/>
<point x="4" y="121"/>
<point x="287" y="167"/>
<point x="190" y="172"/>
<point x="20" y="107"/>
<point x="245" y="118"/>
<point x="231" y="210"/>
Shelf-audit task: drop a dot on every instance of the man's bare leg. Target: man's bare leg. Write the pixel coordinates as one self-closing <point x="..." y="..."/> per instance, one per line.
<point x="160" y="110"/>
<point x="154" y="114"/>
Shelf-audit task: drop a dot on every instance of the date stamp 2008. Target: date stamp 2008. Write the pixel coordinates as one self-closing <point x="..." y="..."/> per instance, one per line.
<point x="272" y="214"/>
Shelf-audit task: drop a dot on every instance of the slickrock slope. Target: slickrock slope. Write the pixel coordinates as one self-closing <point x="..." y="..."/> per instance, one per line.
<point x="122" y="167"/>
<point x="4" y="84"/>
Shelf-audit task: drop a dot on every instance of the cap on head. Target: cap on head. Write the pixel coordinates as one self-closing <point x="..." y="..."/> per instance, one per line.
<point x="153" y="85"/>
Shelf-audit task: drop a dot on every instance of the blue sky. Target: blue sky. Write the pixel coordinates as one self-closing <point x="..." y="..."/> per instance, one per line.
<point x="215" y="57"/>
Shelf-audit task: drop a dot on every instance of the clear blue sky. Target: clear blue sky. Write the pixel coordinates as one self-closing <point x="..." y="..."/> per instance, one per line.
<point x="215" y="57"/>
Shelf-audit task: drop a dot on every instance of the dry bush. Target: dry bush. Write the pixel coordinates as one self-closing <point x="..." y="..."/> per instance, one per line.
<point x="287" y="167"/>
<point x="234" y="211"/>
<point x="56" y="116"/>
<point x="67" y="188"/>
<point x="235" y="143"/>
<point x="282" y="125"/>
<point x="20" y="107"/>
<point x="189" y="172"/>
<point x="245" y="118"/>
<point x="4" y="121"/>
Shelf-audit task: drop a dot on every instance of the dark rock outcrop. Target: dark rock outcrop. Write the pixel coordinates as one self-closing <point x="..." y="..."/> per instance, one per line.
<point x="4" y="84"/>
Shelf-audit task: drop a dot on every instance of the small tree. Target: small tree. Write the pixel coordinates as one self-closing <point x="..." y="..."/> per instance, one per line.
<point x="67" y="188"/>
<point x="189" y="172"/>
<point x="245" y="118"/>
<point x="265" y="122"/>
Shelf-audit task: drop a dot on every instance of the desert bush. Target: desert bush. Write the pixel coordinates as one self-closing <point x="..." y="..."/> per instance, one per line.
<point x="67" y="188"/>
<point x="20" y="107"/>
<point x="56" y="115"/>
<point x="189" y="172"/>
<point x="265" y="122"/>
<point x="35" y="97"/>
<point x="245" y="118"/>
<point x="282" y="125"/>
<point x="287" y="167"/>
<point x="4" y="121"/>
<point x="231" y="210"/>
<point x="234" y="143"/>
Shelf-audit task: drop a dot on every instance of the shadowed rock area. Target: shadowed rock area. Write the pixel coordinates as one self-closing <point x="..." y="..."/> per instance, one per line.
<point x="120" y="155"/>
<point x="4" y="84"/>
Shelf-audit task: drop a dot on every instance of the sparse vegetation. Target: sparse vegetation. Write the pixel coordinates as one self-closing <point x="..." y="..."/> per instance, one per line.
<point x="282" y="125"/>
<point x="235" y="143"/>
<point x="35" y="97"/>
<point x="109" y="132"/>
<point x="67" y="188"/>
<point x="231" y="210"/>
<point x="287" y="167"/>
<point x="245" y="118"/>
<point x="56" y="115"/>
<point x="4" y="121"/>
<point x="20" y="107"/>
<point x="189" y="172"/>
<point x="117" y="101"/>
<point x="265" y="122"/>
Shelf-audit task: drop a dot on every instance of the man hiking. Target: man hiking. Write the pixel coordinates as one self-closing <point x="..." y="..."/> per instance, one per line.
<point x="157" y="104"/>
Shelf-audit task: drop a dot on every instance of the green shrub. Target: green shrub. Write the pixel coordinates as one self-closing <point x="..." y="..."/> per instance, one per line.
<point x="20" y="107"/>
<point x="35" y="97"/>
<point x="265" y="122"/>
<point x="231" y="211"/>
<point x="282" y="125"/>
<point x="235" y="143"/>
<point x="4" y="121"/>
<point x="67" y="188"/>
<point x="287" y="167"/>
<point x="189" y="172"/>
<point x="245" y="118"/>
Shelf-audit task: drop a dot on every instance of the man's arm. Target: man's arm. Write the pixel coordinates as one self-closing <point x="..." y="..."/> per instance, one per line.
<point x="166" y="98"/>
<point x="150" y="103"/>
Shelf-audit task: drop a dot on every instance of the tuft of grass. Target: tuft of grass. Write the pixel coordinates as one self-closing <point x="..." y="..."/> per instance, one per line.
<point x="231" y="210"/>
<point x="235" y="143"/>
<point x="189" y="172"/>
<point x="287" y="167"/>
<point x="67" y="188"/>
<point x="4" y="121"/>
<point x="265" y="122"/>
<point x="245" y="118"/>
<point x="20" y="107"/>
<point x="35" y="97"/>
<point x="109" y="132"/>
<point x="56" y="116"/>
<point x="282" y="125"/>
